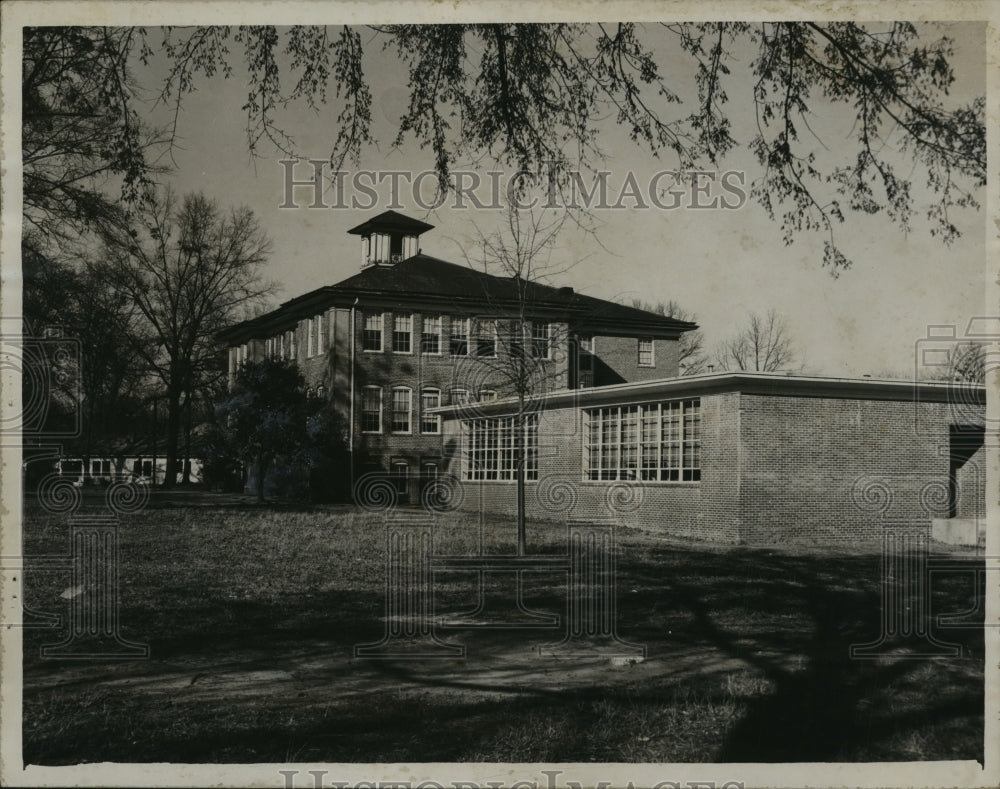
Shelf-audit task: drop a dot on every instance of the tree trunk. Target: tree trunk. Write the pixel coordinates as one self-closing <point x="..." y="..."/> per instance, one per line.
<point x="186" y="468"/>
<point x="519" y="465"/>
<point x="173" y="428"/>
<point x="261" y="473"/>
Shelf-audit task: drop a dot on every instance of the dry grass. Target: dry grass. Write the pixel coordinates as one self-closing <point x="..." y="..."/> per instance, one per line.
<point x="252" y="614"/>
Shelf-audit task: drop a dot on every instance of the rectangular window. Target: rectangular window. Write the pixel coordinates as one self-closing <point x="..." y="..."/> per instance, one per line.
<point x="430" y="423"/>
<point x="646" y="353"/>
<point x="371" y="409"/>
<point x="540" y="340"/>
<point x="459" y="397"/>
<point x="401" y="404"/>
<point x="430" y="336"/>
<point x="320" y="335"/>
<point x="371" y="334"/>
<point x="658" y="442"/>
<point x="459" y="337"/>
<point x="487" y="395"/>
<point x="586" y="343"/>
<point x="486" y="339"/>
<point x="310" y="335"/>
<point x="489" y="448"/>
<point x="402" y="331"/>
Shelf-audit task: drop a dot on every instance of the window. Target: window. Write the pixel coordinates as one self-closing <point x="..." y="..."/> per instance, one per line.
<point x="371" y="335"/>
<point x="402" y="330"/>
<point x="401" y="403"/>
<point x="371" y="409"/>
<point x="310" y="328"/>
<point x="459" y="336"/>
<point x="430" y="423"/>
<point x="540" y="346"/>
<point x="646" y="353"/>
<point x="487" y="395"/>
<point x="586" y="343"/>
<point x="430" y="336"/>
<point x="489" y="451"/>
<point x="289" y="345"/>
<point x="320" y="336"/>
<point x="486" y="339"/>
<point x="515" y="331"/>
<point x="459" y="397"/>
<point x="654" y="441"/>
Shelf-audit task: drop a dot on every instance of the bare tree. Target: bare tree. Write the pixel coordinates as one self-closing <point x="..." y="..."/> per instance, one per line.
<point x="691" y="356"/>
<point x="762" y="346"/>
<point x="966" y="362"/>
<point x="519" y="258"/>
<point x="190" y="268"/>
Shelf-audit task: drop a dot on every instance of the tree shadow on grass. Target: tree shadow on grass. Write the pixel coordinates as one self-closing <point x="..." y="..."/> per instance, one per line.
<point x="788" y="621"/>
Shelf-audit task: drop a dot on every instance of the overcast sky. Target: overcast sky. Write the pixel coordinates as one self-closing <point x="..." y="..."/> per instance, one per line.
<point x="718" y="264"/>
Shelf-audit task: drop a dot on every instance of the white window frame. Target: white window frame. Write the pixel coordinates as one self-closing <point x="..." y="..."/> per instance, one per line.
<point x="423" y="332"/>
<point x="489" y="449"/>
<point x="310" y="326"/>
<point x="462" y="393"/>
<point x="487" y="395"/>
<point x="652" y="352"/>
<point x="535" y="340"/>
<point x="381" y="331"/>
<point x="430" y="419"/>
<point x="377" y="389"/>
<point x="409" y="411"/>
<point x="480" y="334"/>
<point x="663" y="441"/>
<point x="407" y="317"/>
<point x="466" y="325"/>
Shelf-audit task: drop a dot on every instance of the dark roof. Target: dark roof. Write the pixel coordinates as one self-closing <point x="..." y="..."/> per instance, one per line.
<point x="426" y="282"/>
<point x="389" y="221"/>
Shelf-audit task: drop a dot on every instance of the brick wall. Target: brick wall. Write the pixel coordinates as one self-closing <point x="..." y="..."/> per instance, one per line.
<point x="815" y="468"/>
<point x="616" y="360"/>
<point x="701" y="510"/>
<point x="773" y="469"/>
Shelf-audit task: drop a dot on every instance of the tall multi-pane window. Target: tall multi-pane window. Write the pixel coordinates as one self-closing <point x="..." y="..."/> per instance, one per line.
<point x="320" y="334"/>
<point x="371" y="409"/>
<point x="459" y="345"/>
<point x="459" y="396"/>
<point x="515" y="331"/>
<point x="401" y="405"/>
<point x="489" y="448"/>
<point x="310" y="335"/>
<point x="540" y="340"/>
<point x="430" y="335"/>
<point x="402" y="332"/>
<point x="430" y="423"/>
<point x="371" y="333"/>
<point x="653" y="441"/>
<point x="646" y="358"/>
<point x="486" y="339"/>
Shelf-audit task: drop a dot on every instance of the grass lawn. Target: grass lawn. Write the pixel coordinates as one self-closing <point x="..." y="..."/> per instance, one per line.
<point x="252" y="613"/>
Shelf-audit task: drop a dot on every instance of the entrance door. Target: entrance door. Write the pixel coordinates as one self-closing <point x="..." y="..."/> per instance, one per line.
<point x="401" y="480"/>
<point x="428" y="476"/>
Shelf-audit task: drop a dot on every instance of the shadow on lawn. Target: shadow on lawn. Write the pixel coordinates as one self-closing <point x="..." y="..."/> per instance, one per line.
<point x="787" y="620"/>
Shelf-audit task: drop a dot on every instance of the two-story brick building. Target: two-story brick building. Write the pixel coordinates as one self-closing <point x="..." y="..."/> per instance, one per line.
<point x="410" y="332"/>
<point x="418" y="355"/>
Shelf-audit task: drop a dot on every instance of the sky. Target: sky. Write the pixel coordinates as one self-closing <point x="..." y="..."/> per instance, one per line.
<point x="717" y="264"/>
